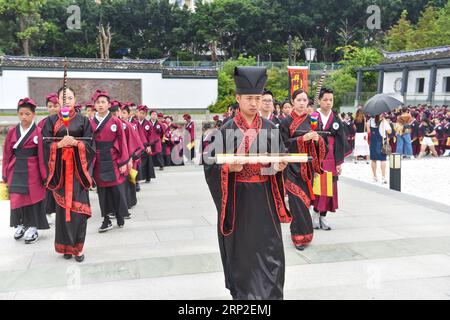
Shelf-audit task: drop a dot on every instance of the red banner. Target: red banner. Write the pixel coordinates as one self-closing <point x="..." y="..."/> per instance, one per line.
<point x="298" y="78"/>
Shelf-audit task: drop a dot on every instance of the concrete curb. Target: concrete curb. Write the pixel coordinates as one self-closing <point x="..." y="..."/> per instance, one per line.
<point x="398" y="195"/>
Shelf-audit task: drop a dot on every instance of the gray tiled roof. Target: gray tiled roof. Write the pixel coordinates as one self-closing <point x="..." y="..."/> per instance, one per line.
<point x="417" y="55"/>
<point x="154" y="65"/>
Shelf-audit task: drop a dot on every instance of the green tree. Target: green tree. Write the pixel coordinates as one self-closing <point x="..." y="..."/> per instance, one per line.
<point x="399" y="36"/>
<point x="28" y="16"/>
<point x="426" y="31"/>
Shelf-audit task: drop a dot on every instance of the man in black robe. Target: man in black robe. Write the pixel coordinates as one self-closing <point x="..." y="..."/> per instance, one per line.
<point x="249" y="197"/>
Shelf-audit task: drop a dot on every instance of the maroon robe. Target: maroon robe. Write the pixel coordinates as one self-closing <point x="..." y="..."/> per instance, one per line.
<point x="338" y="149"/>
<point x="190" y="140"/>
<point x="154" y="137"/>
<point x="25" y="188"/>
<point x="111" y="153"/>
<point x="146" y="169"/>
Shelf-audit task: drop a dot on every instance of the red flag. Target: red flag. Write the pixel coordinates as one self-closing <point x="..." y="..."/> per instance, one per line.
<point x="298" y="78"/>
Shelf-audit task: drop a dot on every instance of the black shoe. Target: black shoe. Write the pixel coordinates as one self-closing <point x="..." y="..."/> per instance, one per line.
<point x="79" y="258"/>
<point x="301" y="248"/>
<point x="67" y="256"/>
<point x="147" y="181"/>
<point x="138" y="187"/>
<point x="128" y="217"/>
<point x="161" y="168"/>
<point x="111" y="216"/>
<point x="106" y="226"/>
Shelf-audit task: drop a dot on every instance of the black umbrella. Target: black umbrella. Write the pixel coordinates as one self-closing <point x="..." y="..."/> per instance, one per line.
<point x="382" y="102"/>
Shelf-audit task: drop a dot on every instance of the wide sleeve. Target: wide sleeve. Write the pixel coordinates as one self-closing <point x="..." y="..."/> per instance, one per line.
<point x="7" y="154"/>
<point x="222" y="186"/>
<point x="121" y="146"/>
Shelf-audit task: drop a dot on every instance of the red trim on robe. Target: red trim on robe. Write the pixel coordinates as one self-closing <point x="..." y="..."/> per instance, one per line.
<point x="77" y="207"/>
<point x="301" y="240"/>
<point x="298" y="192"/>
<point x="224" y="172"/>
<point x="282" y="213"/>
<point x="68" y="249"/>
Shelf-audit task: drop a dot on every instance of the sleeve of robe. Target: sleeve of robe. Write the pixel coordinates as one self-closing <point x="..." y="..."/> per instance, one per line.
<point x="121" y="146"/>
<point x="7" y="154"/>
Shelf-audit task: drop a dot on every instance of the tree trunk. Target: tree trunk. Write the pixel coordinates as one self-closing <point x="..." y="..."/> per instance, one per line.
<point x="25" y="42"/>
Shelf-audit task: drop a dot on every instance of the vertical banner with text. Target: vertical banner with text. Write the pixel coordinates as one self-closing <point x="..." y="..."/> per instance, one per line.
<point x="298" y="79"/>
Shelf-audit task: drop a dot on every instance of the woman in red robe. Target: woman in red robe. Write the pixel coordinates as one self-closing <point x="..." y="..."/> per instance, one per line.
<point x="299" y="138"/>
<point x="68" y="160"/>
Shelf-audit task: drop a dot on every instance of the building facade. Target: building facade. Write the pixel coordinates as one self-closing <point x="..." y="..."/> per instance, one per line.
<point x="420" y="76"/>
<point x="141" y="81"/>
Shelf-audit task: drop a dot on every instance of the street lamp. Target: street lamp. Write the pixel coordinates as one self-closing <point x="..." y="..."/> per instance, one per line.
<point x="310" y="54"/>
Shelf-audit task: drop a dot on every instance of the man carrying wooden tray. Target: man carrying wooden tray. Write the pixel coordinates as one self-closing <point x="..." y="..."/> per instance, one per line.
<point x="249" y="196"/>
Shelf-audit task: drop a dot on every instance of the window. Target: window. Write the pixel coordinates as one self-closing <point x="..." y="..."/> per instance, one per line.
<point x="420" y="85"/>
<point x="447" y="84"/>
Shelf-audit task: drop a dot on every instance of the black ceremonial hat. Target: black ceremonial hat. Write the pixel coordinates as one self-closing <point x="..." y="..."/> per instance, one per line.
<point x="250" y="80"/>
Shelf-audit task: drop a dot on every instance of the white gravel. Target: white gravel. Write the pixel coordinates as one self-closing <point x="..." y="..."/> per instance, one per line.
<point x="427" y="178"/>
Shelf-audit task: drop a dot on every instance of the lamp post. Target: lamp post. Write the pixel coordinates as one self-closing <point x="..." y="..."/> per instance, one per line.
<point x="290" y="50"/>
<point x="310" y="55"/>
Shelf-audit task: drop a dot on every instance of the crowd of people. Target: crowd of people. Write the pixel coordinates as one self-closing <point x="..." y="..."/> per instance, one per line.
<point x="109" y="147"/>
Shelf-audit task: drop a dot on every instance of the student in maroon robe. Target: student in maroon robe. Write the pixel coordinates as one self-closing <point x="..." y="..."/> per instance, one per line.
<point x="24" y="172"/>
<point x="250" y="198"/>
<point x="168" y="143"/>
<point x="53" y="107"/>
<point x="298" y="177"/>
<point x="89" y="110"/>
<point x="135" y="149"/>
<point x="146" y="170"/>
<point x="189" y="138"/>
<point x="68" y="161"/>
<point x="177" y="141"/>
<point x="338" y="149"/>
<point x="52" y="104"/>
<point x="111" y="162"/>
<point x="154" y="137"/>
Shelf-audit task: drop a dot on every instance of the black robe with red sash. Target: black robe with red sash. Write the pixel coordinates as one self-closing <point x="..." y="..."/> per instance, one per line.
<point x="70" y="180"/>
<point x="250" y="209"/>
<point x="298" y="177"/>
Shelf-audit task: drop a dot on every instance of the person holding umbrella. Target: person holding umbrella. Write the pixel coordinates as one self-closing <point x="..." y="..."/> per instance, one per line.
<point x="379" y="129"/>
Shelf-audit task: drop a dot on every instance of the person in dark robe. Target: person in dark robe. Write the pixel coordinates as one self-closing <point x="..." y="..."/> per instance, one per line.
<point x="154" y="137"/>
<point x="249" y="197"/>
<point x="167" y="139"/>
<point x="267" y="108"/>
<point x="415" y="135"/>
<point x="24" y="172"/>
<point x="135" y="149"/>
<point x="53" y="107"/>
<point x="298" y="177"/>
<point x="189" y="136"/>
<point x="338" y="149"/>
<point x="111" y="162"/>
<point x="68" y="163"/>
<point x="146" y="169"/>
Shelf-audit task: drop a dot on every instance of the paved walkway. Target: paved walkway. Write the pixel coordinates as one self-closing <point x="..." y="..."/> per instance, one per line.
<point x="385" y="245"/>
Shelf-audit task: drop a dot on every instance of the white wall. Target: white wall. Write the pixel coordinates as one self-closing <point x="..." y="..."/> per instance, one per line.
<point x="156" y="91"/>
<point x="389" y="80"/>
